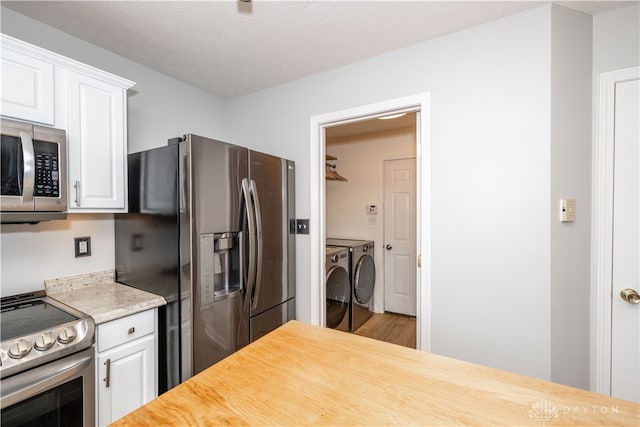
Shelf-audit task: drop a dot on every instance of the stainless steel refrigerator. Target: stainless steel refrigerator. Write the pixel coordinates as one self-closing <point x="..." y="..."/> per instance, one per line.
<point x="208" y="228"/>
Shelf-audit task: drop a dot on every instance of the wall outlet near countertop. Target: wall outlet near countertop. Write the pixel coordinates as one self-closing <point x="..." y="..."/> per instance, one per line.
<point x="82" y="246"/>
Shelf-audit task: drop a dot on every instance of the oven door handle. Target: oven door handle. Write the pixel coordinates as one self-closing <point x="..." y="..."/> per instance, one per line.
<point x="30" y="383"/>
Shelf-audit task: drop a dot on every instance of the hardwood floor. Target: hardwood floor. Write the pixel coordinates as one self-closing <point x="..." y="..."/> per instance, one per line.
<point x="390" y="327"/>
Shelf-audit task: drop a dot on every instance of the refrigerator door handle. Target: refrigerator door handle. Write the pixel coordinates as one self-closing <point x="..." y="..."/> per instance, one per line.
<point x="256" y="204"/>
<point x="251" y="275"/>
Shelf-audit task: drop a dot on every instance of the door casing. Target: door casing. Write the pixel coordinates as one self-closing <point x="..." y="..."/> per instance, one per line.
<point x="420" y="103"/>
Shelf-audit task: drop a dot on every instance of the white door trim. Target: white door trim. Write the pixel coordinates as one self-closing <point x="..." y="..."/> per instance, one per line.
<point x="602" y="227"/>
<point x="422" y="103"/>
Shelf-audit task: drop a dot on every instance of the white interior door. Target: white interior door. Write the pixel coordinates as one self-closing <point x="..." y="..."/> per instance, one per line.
<point x="400" y="236"/>
<point x="625" y="319"/>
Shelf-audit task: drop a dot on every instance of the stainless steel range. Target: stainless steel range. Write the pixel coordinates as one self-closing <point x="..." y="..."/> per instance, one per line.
<point x="47" y="363"/>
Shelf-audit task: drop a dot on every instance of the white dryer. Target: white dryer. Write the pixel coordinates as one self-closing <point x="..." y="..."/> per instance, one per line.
<point x="338" y="288"/>
<point x="363" y="278"/>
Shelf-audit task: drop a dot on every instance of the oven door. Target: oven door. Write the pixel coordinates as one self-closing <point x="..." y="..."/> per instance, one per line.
<point x="60" y="393"/>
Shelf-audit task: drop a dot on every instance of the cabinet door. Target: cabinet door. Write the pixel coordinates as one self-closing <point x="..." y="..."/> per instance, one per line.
<point x="126" y="379"/>
<point x="27" y="87"/>
<point x="97" y="145"/>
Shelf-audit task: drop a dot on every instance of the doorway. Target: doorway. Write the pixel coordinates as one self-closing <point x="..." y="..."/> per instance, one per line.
<point x="419" y="104"/>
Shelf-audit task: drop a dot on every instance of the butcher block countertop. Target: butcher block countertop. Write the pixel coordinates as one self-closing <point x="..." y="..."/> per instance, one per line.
<point x="305" y="375"/>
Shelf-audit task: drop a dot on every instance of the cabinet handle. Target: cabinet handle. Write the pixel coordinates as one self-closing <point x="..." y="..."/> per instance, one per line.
<point x="107" y="380"/>
<point x="77" y="187"/>
<point x="131" y="330"/>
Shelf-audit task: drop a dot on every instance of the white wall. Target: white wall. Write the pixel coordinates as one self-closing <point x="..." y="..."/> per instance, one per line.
<point x="490" y="88"/>
<point x="159" y="108"/>
<point x="360" y="160"/>
<point x="616" y="40"/>
<point x="571" y="51"/>
<point x="32" y="253"/>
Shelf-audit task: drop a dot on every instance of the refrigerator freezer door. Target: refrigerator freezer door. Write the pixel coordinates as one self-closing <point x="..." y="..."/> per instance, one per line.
<point x="268" y="177"/>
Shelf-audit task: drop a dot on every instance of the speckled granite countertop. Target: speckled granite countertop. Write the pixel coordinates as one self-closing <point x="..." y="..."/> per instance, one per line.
<point x="97" y="295"/>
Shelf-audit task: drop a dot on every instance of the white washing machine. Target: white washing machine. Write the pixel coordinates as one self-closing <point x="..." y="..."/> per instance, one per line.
<point x="363" y="278"/>
<point x="338" y="288"/>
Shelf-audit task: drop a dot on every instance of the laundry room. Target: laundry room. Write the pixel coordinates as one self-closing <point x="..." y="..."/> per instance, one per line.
<point x="370" y="201"/>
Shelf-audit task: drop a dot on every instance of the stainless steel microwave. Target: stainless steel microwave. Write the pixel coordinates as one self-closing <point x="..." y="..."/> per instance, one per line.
<point x="33" y="167"/>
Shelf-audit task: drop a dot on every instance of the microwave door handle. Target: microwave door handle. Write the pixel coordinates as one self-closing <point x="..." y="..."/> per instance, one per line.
<point x="29" y="167"/>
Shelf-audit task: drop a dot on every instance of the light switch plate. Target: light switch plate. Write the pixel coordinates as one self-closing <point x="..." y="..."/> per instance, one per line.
<point x="567" y="210"/>
<point x="302" y="226"/>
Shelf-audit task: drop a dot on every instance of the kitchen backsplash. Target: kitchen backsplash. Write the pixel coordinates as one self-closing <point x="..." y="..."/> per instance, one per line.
<point x="32" y="254"/>
<point x="70" y="283"/>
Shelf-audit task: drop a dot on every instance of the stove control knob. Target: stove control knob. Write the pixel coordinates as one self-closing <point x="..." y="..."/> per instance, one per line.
<point x="45" y="341"/>
<point x="19" y="349"/>
<point x="67" y="335"/>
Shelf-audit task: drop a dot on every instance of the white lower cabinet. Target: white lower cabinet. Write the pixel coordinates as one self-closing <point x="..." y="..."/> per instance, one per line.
<point x="126" y="365"/>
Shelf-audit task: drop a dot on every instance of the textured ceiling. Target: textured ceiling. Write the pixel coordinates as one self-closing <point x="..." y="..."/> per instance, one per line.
<point x="234" y="48"/>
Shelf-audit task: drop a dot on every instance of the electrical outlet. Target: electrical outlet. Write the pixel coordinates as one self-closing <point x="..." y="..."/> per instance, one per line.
<point x="137" y="242"/>
<point x="82" y="246"/>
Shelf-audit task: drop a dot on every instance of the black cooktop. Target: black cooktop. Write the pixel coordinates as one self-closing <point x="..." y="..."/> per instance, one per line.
<point x="28" y="317"/>
<point x="36" y="329"/>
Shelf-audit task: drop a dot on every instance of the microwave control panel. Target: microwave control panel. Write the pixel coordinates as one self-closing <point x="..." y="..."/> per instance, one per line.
<point x="47" y="169"/>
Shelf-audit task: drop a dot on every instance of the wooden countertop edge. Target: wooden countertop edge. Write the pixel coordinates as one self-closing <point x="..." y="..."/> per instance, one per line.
<point x="455" y="391"/>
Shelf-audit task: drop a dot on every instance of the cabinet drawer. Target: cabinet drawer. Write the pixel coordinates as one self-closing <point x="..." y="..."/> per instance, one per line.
<point x="125" y="329"/>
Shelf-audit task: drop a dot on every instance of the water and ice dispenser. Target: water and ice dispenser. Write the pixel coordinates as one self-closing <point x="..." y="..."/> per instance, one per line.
<point x="220" y="275"/>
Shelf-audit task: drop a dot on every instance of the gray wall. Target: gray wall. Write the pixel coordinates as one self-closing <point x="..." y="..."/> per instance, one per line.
<point x="616" y="40"/>
<point x="491" y="99"/>
<point x="570" y="179"/>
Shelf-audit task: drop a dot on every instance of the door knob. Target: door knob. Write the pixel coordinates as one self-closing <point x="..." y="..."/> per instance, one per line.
<point x="630" y="295"/>
<point x="388" y="247"/>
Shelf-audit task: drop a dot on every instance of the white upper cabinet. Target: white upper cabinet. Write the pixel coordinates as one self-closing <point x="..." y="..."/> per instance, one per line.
<point x="27" y="86"/>
<point x="98" y="155"/>
<point x="90" y="104"/>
